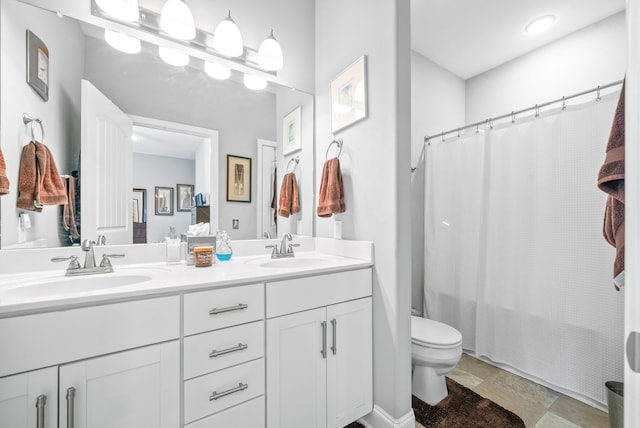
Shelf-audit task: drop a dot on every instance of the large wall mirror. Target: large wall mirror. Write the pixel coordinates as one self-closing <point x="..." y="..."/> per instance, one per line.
<point x="175" y="105"/>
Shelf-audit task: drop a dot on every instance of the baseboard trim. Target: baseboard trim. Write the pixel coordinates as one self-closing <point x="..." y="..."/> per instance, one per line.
<point x="381" y="419"/>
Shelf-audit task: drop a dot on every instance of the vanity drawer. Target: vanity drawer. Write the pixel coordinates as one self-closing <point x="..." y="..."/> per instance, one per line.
<point x="250" y="415"/>
<point x="211" y="310"/>
<point x="216" y="350"/>
<point x="217" y="391"/>
<point x="300" y="294"/>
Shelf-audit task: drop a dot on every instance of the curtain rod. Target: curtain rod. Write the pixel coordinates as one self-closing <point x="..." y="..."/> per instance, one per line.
<point x="513" y="114"/>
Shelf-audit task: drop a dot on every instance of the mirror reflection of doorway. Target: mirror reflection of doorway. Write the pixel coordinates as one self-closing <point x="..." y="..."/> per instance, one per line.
<point x="139" y="213"/>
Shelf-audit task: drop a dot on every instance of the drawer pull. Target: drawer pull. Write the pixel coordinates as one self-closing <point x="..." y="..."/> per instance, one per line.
<point x="216" y="353"/>
<point x="323" y="324"/>
<point x="71" y="394"/>
<point x="216" y="311"/>
<point x="334" y="348"/>
<point x="41" y="400"/>
<point x="241" y="387"/>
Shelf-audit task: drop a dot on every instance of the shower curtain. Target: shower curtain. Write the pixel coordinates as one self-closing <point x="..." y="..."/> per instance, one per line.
<point x="514" y="254"/>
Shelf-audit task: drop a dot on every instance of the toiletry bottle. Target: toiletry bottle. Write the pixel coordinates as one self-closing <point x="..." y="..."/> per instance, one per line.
<point x="223" y="249"/>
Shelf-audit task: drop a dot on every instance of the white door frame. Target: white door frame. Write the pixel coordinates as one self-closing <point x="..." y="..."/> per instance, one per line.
<point x="260" y="183"/>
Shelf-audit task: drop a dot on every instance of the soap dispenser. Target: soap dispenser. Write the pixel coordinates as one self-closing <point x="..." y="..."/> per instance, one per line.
<point x="223" y="249"/>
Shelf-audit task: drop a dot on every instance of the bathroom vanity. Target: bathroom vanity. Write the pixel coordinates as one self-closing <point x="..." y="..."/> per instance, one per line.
<point x="253" y="342"/>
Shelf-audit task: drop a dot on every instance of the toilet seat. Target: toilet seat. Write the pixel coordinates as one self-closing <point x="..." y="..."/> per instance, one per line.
<point x="434" y="334"/>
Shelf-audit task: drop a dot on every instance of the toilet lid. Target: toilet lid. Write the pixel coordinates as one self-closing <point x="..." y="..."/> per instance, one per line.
<point x="429" y="332"/>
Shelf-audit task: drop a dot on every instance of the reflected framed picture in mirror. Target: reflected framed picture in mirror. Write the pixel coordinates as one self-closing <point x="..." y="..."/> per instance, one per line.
<point x="349" y="95"/>
<point x="238" y="179"/>
<point x="291" y="129"/>
<point x="164" y="200"/>
<point x="185" y="196"/>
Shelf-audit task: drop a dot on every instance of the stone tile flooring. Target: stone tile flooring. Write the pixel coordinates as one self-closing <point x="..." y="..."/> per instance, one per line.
<point x="538" y="406"/>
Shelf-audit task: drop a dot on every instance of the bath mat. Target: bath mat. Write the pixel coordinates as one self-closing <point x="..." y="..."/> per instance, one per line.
<point x="462" y="408"/>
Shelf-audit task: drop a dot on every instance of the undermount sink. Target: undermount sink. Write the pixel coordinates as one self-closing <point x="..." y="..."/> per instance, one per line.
<point x="72" y="285"/>
<point x="294" y="262"/>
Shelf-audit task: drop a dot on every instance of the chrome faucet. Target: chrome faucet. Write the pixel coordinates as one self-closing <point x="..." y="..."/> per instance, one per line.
<point x="285" y="250"/>
<point x="89" y="257"/>
<point x="266" y="235"/>
<point x="89" y="267"/>
<point x="283" y="243"/>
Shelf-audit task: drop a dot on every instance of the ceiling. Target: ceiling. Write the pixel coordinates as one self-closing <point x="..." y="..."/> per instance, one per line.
<point x="161" y="142"/>
<point x="469" y="37"/>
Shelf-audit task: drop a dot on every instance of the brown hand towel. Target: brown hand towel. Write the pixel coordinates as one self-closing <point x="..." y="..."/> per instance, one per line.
<point x="39" y="182"/>
<point x="331" y="200"/>
<point x="289" y="198"/>
<point x="69" y="214"/>
<point x="611" y="181"/>
<point x="4" y="181"/>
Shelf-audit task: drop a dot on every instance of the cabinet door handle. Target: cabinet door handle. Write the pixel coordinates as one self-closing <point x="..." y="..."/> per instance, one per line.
<point x="334" y="348"/>
<point x="41" y="401"/>
<point x="216" y="353"/>
<point x="216" y="395"/>
<point x="216" y="311"/>
<point x="324" y="339"/>
<point x="71" y="394"/>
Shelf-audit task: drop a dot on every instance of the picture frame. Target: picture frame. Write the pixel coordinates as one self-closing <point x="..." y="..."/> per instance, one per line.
<point x="37" y="65"/>
<point x="238" y="179"/>
<point x="349" y="96"/>
<point x="164" y="200"/>
<point x="139" y="205"/>
<point x="291" y="131"/>
<point x="184" y="199"/>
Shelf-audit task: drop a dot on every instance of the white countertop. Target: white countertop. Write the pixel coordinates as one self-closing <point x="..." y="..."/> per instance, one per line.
<point x="23" y="293"/>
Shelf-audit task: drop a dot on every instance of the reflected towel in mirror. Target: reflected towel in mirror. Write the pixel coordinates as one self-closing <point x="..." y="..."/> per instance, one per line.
<point x="4" y="181"/>
<point x="289" y="198"/>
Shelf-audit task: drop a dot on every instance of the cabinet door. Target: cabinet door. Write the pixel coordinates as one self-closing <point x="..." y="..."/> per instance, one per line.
<point x="130" y="389"/>
<point x="296" y="370"/>
<point x="25" y="395"/>
<point x="349" y="362"/>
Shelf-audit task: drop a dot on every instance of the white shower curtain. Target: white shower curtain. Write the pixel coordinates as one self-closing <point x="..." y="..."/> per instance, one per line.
<point x="515" y="257"/>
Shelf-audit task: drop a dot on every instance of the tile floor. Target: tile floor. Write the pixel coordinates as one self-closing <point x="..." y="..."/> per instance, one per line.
<point x="538" y="406"/>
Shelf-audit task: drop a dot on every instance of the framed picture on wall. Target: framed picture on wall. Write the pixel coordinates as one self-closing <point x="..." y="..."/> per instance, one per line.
<point x="185" y="196"/>
<point x="38" y="65"/>
<point x="164" y="200"/>
<point x="238" y="179"/>
<point x="349" y="95"/>
<point x="291" y="128"/>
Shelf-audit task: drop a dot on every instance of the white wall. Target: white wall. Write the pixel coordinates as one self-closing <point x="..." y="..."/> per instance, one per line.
<point x="437" y="104"/>
<point x="60" y="115"/>
<point x="583" y="60"/>
<point x="375" y="164"/>
<point x="150" y="171"/>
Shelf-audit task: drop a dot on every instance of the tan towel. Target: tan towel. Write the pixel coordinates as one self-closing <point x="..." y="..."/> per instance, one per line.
<point x="289" y="198"/>
<point x="4" y="181"/>
<point x="331" y="200"/>
<point x="69" y="212"/>
<point x="39" y="182"/>
<point x="611" y="181"/>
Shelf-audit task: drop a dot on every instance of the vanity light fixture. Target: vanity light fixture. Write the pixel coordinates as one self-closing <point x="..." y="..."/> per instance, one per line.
<point x="173" y="57"/>
<point x="227" y="38"/>
<point x="217" y="71"/>
<point x="125" y="10"/>
<point x="540" y="24"/>
<point x="254" y="82"/>
<point x="122" y="42"/>
<point x="270" y="54"/>
<point x="177" y="21"/>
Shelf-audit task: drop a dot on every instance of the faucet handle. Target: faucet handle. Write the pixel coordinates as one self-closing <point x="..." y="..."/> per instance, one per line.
<point x="290" y="248"/>
<point x="73" y="261"/>
<point x="105" y="259"/>
<point x="274" y="252"/>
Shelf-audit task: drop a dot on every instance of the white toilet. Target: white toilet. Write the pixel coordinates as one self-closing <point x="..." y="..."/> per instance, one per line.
<point x="436" y="348"/>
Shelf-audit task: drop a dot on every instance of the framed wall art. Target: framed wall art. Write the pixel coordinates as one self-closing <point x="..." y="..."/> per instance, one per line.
<point x="37" y="65"/>
<point x="291" y="131"/>
<point x="349" y="95"/>
<point x="185" y="196"/>
<point x="164" y="200"/>
<point x="238" y="179"/>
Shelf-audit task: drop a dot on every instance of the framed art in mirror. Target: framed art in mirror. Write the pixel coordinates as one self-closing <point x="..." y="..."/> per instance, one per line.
<point x="185" y="196"/>
<point x="291" y="131"/>
<point x="349" y="95"/>
<point x="164" y="200"/>
<point x="238" y="179"/>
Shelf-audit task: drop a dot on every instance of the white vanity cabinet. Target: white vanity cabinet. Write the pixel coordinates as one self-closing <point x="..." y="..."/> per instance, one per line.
<point x="224" y="357"/>
<point x="319" y="350"/>
<point x="29" y="400"/>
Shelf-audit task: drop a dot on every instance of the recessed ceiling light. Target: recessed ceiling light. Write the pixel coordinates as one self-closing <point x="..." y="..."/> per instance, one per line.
<point x="540" y="24"/>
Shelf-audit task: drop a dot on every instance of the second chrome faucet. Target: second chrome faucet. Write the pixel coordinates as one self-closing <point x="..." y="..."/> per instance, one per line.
<point x="286" y="250"/>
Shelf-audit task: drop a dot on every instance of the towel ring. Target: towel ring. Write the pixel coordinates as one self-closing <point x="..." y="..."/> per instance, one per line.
<point x="26" y="119"/>
<point x="296" y="160"/>
<point x="338" y="143"/>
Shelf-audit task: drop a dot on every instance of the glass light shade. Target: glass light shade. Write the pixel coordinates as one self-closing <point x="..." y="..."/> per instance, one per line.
<point x="173" y="57"/>
<point x="539" y="25"/>
<point x="177" y="21"/>
<point x="254" y="82"/>
<point x="227" y="38"/>
<point x="217" y="71"/>
<point x="126" y="10"/>
<point x="270" y="54"/>
<point x="122" y="42"/>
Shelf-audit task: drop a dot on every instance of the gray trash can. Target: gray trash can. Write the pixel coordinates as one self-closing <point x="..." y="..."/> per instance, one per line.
<point x="615" y="400"/>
